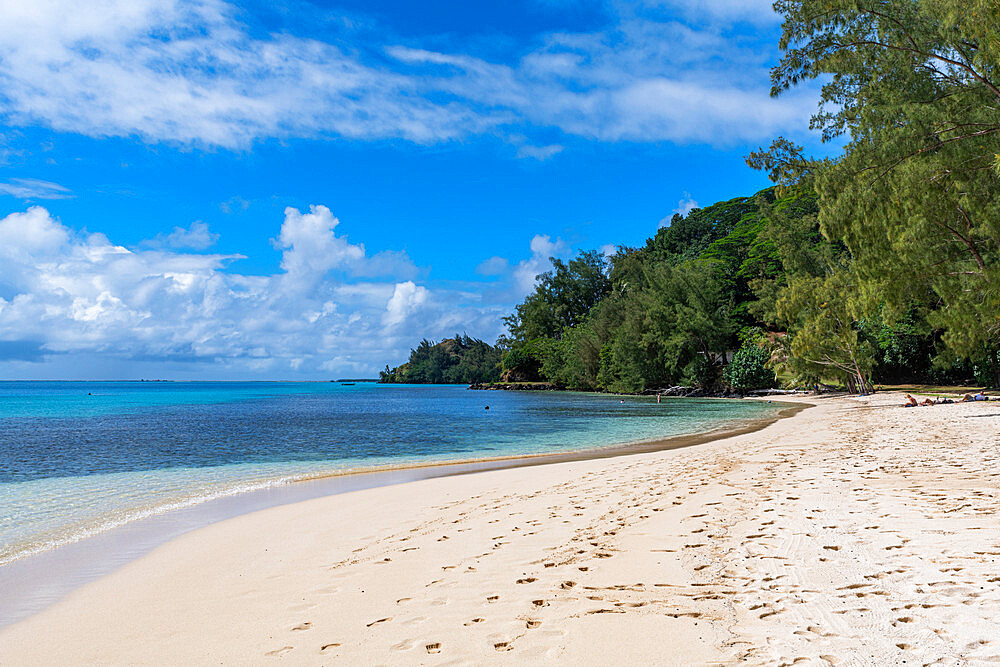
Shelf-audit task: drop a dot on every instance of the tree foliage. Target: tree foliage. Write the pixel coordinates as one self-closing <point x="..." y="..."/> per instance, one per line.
<point x="914" y="85"/>
<point x="458" y="360"/>
<point x="749" y="369"/>
<point x="880" y="265"/>
<point x="562" y="297"/>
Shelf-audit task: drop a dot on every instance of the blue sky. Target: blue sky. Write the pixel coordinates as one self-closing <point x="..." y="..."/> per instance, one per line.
<point x="303" y="190"/>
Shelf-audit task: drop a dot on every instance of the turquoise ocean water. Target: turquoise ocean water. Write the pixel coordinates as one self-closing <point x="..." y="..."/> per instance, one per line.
<point x="79" y="458"/>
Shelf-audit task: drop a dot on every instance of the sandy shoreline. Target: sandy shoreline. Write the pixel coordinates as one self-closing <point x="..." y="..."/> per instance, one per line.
<point x="854" y="529"/>
<point x="77" y="562"/>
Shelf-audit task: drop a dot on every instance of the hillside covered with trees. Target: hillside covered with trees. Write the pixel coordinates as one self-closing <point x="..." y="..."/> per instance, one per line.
<point x="458" y="360"/>
<point x="880" y="266"/>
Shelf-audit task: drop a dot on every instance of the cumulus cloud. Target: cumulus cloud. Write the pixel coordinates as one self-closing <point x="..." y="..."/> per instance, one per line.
<point x="31" y="188"/>
<point x="312" y="249"/>
<point x="65" y="291"/>
<point x="192" y="72"/>
<point x="405" y="299"/>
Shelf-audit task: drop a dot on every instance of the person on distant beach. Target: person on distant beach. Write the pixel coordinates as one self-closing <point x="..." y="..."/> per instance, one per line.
<point x="927" y="401"/>
<point x="910" y="402"/>
<point x="981" y="396"/>
<point x="967" y="398"/>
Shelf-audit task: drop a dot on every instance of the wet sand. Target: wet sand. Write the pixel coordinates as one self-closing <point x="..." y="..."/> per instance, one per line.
<point x="853" y="531"/>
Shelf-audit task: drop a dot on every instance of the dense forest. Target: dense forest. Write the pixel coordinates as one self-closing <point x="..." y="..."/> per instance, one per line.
<point x="458" y="360"/>
<point x="880" y="266"/>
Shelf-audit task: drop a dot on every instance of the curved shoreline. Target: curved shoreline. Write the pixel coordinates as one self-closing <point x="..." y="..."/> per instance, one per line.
<point x="69" y="566"/>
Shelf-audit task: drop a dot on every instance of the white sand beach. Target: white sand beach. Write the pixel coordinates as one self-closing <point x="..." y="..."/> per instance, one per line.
<point x="855" y="532"/>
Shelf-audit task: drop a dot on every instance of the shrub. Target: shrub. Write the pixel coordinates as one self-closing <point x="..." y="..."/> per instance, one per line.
<point x="748" y="370"/>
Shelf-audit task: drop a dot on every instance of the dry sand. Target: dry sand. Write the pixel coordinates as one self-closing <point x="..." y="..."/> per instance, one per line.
<point x="855" y="532"/>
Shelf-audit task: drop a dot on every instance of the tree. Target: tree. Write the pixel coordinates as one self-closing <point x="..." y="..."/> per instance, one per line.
<point x="674" y="328"/>
<point x="915" y="85"/>
<point x="823" y="334"/>
<point x="562" y="297"/>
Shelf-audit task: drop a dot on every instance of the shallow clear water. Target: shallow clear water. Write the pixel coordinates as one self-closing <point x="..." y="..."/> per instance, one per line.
<point x="77" y="458"/>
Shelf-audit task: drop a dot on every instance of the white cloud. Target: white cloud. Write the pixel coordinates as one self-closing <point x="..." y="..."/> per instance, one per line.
<point x="759" y="12"/>
<point x="494" y="266"/>
<point x="234" y="205"/>
<point x="406" y="298"/>
<point x="23" y="235"/>
<point x="685" y="205"/>
<point x="312" y="249"/>
<point x="543" y="248"/>
<point x="191" y="72"/>
<point x="641" y="80"/>
<point x="540" y="153"/>
<point x="196" y="237"/>
<point x="64" y="291"/>
<point x="31" y="188"/>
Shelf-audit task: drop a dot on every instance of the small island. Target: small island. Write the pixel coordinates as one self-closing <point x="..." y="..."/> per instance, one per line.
<point x="458" y="360"/>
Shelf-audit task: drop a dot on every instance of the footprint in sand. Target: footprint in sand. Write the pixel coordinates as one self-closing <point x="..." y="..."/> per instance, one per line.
<point x="474" y="621"/>
<point x="326" y="647"/>
<point x="532" y="624"/>
<point x="280" y="651"/>
<point x="492" y="598"/>
<point x="381" y="620"/>
<point x="526" y="580"/>
<point x="434" y="647"/>
<point x="303" y="626"/>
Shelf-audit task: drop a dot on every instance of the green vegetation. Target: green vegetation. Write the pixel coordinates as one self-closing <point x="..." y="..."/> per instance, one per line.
<point x="670" y="311"/>
<point x="458" y="360"/>
<point x="915" y="199"/>
<point x="749" y="369"/>
<point x="881" y="266"/>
